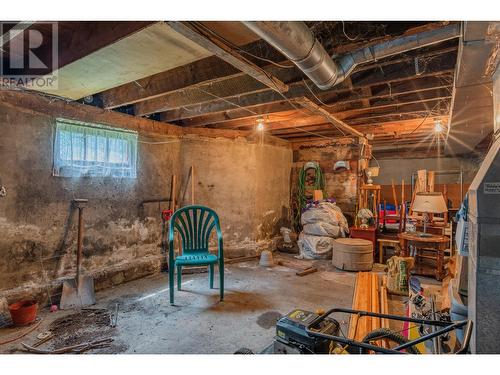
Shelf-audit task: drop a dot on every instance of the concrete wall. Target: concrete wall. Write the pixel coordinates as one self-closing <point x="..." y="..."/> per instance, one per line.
<point x="246" y="183"/>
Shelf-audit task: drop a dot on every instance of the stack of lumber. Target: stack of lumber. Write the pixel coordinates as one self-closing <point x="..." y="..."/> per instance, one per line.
<point x="370" y="294"/>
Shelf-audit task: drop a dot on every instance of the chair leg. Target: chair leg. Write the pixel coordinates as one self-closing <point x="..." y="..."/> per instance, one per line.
<point x="179" y="277"/>
<point x="171" y="271"/>
<point x="221" y="280"/>
<point x="211" y="275"/>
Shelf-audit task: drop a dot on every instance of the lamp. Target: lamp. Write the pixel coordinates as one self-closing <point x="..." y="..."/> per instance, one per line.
<point x="429" y="203"/>
<point x="371" y="172"/>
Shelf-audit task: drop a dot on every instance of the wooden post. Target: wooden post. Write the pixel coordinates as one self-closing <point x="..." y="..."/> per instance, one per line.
<point x="192" y="184"/>
<point x="430" y="181"/>
<point x="402" y="191"/>
<point x="172" y="192"/>
<point x="394" y="196"/>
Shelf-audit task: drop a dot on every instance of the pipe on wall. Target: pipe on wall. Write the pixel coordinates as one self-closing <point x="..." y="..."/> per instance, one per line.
<point x="294" y="40"/>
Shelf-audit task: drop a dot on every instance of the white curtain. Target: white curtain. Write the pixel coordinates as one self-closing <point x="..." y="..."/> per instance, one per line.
<point x="82" y="149"/>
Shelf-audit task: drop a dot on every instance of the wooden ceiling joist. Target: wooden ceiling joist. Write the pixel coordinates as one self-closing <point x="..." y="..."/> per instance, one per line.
<point x="339" y="124"/>
<point x="226" y="53"/>
<point x="228" y="94"/>
<point x="343" y="103"/>
<point x="298" y="89"/>
<point x="268" y="102"/>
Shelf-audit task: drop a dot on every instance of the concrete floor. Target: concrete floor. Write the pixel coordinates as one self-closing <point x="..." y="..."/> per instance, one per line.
<point x="255" y="297"/>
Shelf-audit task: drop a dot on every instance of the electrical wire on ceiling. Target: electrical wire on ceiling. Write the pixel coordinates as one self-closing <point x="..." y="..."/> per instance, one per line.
<point x="199" y="26"/>
<point x="345" y="34"/>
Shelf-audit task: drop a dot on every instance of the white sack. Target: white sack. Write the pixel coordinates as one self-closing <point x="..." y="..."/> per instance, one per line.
<point x="315" y="247"/>
<point x="323" y="229"/>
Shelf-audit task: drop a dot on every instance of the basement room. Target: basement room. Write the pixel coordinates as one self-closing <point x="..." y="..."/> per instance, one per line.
<point x="234" y="184"/>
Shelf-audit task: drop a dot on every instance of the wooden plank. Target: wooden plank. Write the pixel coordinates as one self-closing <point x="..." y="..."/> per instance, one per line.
<point x="227" y="54"/>
<point x="353" y="321"/>
<point x="394" y="196"/>
<point x="294" y="264"/>
<point x="173" y="192"/>
<point x="307" y="271"/>
<point x="308" y="104"/>
<point x="430" y="181"/>
<point x="192" y="184"/>
<point x="206" y="71"/>
<point x="240" y="259"/>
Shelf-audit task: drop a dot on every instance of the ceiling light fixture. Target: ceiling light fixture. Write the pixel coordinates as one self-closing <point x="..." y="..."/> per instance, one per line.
<point x="438" y="128"/>
<point x="260" y="124"/>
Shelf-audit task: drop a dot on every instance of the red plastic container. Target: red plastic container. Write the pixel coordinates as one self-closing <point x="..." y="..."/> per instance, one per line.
<point x="23" y="312"/>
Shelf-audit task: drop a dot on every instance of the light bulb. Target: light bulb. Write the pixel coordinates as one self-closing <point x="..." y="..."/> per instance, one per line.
<point x="260" y="124"/>
<point x="438" y="128"/>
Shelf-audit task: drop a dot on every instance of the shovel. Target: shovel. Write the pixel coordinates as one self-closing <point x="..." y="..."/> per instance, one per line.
<point x="78" y="292"/>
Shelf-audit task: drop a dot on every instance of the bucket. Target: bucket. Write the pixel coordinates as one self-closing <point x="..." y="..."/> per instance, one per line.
<point x="266" y="259"/>
<point x="23" y="312"/>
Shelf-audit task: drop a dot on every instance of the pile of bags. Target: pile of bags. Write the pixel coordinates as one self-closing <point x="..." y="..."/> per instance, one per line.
<point x="321" y="223"/>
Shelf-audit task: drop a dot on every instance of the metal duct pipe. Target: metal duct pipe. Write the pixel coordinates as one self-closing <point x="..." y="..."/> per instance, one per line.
<point x="294" y="40"/>
<point x="297" y="43"/>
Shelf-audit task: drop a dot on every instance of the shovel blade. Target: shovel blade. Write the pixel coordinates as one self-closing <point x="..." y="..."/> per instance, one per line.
<point x="77" y="294"/>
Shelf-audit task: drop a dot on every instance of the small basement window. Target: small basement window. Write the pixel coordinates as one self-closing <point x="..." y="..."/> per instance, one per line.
<point x="93" y="150"/>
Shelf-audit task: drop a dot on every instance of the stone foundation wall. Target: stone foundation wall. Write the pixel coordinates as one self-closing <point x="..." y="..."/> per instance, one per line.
<point x="122" y="241"/>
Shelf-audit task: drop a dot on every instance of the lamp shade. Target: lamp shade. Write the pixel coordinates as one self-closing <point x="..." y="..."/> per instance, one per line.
<point x="430" y="202"/>
<point x="374" y="171"/>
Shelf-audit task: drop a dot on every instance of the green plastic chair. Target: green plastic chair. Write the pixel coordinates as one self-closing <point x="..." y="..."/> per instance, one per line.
<point x="195" y="224"/>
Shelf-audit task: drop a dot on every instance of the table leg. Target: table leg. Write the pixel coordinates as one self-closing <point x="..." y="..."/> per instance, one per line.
<point x="380" y="252"/>
<point x="404" y="247"/>
<point x="440" y="262"/>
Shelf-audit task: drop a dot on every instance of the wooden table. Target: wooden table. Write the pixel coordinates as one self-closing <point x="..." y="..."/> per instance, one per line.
<point x="434" y="244"/>
<point x="389" y="242"/>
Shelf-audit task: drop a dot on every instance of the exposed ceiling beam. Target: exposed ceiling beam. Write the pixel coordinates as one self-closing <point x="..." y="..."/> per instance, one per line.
<point x="339" y="124"/>
<point x="226" y="53"/>
<point x="198" y="73"/>
<point x="395" y="128"/>
<point x="343" y="101"/>
<point x="165" y="82"/>
<point x="269" y="102"/>
<point x="294" y="117"/>
<point x="226" y="94"/>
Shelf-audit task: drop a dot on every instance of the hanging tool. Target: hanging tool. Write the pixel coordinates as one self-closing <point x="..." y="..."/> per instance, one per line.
<point x="79" y="291"/>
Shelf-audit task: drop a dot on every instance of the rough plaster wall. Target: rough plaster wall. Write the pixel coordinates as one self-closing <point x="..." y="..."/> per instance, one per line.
<point x="121" y="237"/>
<point x="247" y="184"/>
<point x="36" y="220"/>
<point x="341" y="185"/>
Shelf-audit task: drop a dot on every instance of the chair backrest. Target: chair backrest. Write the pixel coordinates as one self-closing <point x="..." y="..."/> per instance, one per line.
<point x="194" y="224"/>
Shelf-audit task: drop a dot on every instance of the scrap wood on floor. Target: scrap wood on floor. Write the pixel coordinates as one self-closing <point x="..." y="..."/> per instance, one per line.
<point x="302" y="267"/>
